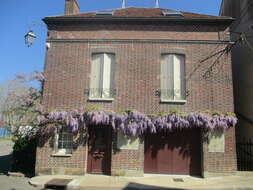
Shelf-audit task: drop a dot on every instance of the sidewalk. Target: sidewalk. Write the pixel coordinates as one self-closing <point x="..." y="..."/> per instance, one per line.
<point x="97" y="182"/>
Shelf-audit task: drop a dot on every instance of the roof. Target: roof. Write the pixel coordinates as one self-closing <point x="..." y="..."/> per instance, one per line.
<point x="135" y="13"/>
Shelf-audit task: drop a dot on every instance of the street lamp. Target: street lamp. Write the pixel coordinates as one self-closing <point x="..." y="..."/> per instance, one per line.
<point x="29" y="38"/>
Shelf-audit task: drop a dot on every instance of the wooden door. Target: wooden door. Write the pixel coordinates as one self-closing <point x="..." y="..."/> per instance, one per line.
<point x="176" y="152"/>
<point x="99" y="153"/>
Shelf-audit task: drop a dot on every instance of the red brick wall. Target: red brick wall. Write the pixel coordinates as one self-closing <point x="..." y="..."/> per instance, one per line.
<point x="125" y="161"/>
<point x="137" y="78"/>
<point x="216" y="163"/>
<point x="149" y="30"/>
<point x="48" y="163"/>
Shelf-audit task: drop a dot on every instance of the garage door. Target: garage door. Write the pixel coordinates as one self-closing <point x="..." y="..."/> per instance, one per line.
<point x="175" y="152"/>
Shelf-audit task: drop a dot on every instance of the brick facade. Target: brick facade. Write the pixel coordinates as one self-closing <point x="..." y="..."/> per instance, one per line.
<point x="138" y="49"/>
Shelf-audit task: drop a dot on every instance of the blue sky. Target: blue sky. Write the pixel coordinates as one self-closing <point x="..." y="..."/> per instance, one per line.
<point x="18" y="15"/>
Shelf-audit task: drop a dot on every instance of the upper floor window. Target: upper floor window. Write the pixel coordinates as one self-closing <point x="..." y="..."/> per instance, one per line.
<point x="173" y="78"/>
<point x="102" y="76"/>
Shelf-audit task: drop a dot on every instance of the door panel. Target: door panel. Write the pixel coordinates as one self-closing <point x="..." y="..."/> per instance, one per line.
<point x="176" y="152"/>
<point x="99" y="154"/>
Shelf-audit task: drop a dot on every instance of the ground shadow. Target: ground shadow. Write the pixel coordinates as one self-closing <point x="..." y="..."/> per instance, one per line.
<point x="138" y="186"/>
<point x="170" y="148"/>
<point x="99" y="145"/>
<point x="5" y="163"/>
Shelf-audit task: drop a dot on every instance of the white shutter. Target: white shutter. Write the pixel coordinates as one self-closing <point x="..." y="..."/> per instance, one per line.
<point x="106" y="76"/>
<point x="95" y="81"/>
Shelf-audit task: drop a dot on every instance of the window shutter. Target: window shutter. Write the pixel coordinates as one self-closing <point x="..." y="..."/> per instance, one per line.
<point x="183" y="80"/>
<point x="177" y="77"/>
<point x="173" y="77"/>
<point x="170" y="77"/>
<point x="163" y="77"/>
<point x="167" y="77"/>
<point x="112" y="57"/>
<point x="106" y="76"/>
<point x="95" y="80"/>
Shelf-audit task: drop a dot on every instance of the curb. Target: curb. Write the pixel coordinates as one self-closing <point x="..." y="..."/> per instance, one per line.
<point x="153" y="188"/>
<point x="36" y="185"/>
<point x="15" y="174"/>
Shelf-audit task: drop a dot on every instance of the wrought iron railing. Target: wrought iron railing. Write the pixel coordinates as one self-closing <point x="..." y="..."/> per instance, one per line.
<point x="244" y="150"/>
<point x="100" y="92"/>
<point x="171" y="94"/>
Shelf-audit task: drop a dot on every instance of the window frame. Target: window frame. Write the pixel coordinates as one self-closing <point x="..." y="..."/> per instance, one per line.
<point x="183" y="91"/>
<point x="101" y="80"/>
<point x="62" y="151"/>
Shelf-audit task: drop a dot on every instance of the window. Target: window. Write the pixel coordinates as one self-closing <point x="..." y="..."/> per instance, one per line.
<point x="63" y="142"/>
<point x="173" y="78"/>
<point x="102" y="75"/>
<point x="127" y="143"/>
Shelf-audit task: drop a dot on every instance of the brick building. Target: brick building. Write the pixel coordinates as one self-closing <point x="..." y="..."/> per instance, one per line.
<point x="142" y="58"/>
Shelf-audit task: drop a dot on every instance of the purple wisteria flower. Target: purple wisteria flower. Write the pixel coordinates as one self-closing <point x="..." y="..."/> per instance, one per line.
<point x="134" y="123"/>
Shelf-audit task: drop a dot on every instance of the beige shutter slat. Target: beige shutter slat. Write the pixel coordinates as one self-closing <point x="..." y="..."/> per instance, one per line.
<point x="95" y="75"/>
<point x="183" y="80"/>
<point x="113" y="61"/>
<point x="163" y="77"/>
<point x="106" y="76"/>
<point x="170" y="77"/>
<point x="167" y="77"/>
<point x="177" y="77"/>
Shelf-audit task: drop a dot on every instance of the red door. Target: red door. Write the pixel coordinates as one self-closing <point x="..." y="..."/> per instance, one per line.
<point x="99" y="154"/>
<point x="177" y="152"/>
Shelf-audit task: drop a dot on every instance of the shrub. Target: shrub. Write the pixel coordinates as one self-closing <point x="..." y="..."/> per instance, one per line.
<point x="24" y="155"/>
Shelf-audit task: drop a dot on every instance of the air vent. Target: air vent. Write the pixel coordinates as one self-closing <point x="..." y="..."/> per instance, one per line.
<point x="104" y="13"/>
<point x="172" y="13"/>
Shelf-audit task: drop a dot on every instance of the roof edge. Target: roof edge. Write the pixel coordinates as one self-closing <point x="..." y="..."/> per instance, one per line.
<point x="55" y="20"/>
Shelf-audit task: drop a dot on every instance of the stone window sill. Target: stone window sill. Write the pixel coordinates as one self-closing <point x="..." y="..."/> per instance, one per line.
<point x="173" y="101"/>
<point x="101" y="99"/>
<point x="61" y="155"/>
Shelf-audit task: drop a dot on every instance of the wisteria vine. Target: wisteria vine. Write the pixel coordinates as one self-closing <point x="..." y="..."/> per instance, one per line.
<point x="134" y="123"/>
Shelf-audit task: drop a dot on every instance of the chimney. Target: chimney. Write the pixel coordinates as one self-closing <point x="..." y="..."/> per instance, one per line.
<point x="157" y="4"/>
<point x="71" y="7"/>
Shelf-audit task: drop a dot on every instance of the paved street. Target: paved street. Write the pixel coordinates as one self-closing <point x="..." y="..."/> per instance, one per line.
<point x="15" y="183"/>
<point x="7" y="182"/>
<point x="89" y="182"/>
<point x="150" y="182"/>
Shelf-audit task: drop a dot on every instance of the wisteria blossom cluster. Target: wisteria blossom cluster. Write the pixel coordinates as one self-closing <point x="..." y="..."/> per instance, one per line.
<point x="134" y="123"/>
